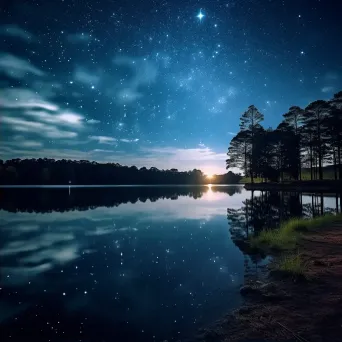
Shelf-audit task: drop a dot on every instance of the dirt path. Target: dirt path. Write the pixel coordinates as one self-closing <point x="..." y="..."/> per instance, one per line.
<point x="299" y="310"/>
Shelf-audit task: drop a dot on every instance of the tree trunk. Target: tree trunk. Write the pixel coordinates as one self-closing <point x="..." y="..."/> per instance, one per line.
<point x="335" y="166"/>
<point x="336" y="200"/>
<point x="339" y="162"/>
<point x="320" y="170"/>
<point x="311" y="160"/>
<point x="322" y="204"/>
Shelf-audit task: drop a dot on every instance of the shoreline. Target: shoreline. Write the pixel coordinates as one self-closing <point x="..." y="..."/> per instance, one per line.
<point x="299" y="186"/>
<point x="288" y="307"/>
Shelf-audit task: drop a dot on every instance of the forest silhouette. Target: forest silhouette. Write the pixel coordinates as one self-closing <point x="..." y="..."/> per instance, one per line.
<point x="64" y="172"/>
<point x="303" y="143"/>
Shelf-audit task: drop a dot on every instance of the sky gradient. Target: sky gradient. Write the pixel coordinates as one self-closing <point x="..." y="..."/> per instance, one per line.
<point x="157" y="83"/>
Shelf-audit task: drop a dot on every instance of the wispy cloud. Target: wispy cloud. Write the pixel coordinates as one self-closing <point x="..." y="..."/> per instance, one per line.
<point x="24" y="98"/>
<point x="79" y="37"/>
<point x="328" y="89"/>
<point x="62" y="118"/>
<point x="22" y="142"/>
<point x="16" y="67"/>
<point x="26" y="112"/>
<point x="16" y="32"/>
<point x="39" y="128"/>
<point x="86" y="77"/>
<point x="103" y="139"/>
<point x="144" y="73"/>
<point x="93" y="121"/>
<point x="103" y="151"/>
<point x="184" y="159"/>
<point x="231" y="133"/>
<point x="129" y="140"/>
<point x="332" y="75"/>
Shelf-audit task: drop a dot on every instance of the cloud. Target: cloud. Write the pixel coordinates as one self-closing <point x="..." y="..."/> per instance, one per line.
<point x="129" y="140"/>
<point x="24" y="98"/>
<point x="103" y="139"/>
<point x="39" y="128"/>
<point x="328" y="89"/>
<point x="27" y="112"/>
<point x="331" y="76"/>
<point x="144" y="73"/>
<point x="17" y="68"/>
<point x="83" y="76"/>
<point x="47" y="88"/>
<point x="128" y="95"/>
<point x="79" y="38"/>
<point x="62" y="118"/>
<point x="16" y="32"/>
<point x="103" y="151"/>
<point x="185" y="159"/>
<point x="19" y="140"/>
<point x="231" y="133"/>
<point x="93" y="121"/>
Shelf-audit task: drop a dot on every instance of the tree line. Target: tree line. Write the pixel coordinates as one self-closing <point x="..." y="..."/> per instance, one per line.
<point x="60" y="172"/>
<point x="309" y="137"/>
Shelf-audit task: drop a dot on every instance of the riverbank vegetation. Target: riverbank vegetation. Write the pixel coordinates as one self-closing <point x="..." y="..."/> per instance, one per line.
<point x="306" y="140"/>
<point x="286" y="241"/>
<point x="286" y="237"/>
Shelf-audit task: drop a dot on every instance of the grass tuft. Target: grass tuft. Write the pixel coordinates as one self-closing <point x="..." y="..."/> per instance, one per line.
<point x="292" y="265"/>
<point x="287" y="235"/>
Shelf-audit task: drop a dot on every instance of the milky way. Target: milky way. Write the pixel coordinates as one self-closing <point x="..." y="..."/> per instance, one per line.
<point x="157" y="83"/>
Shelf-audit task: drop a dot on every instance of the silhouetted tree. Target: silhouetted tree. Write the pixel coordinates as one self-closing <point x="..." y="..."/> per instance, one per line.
<point x="314" y="116"/>
<point x="294" y="117"/>
<point x="310" y="137"/>
<point x="250" y="122"/>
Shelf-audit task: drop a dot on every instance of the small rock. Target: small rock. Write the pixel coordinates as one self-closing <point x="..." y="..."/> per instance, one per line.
<point x="244" y="310"/>
<point x="268" y="287"/>
<point x="248" y="289"/>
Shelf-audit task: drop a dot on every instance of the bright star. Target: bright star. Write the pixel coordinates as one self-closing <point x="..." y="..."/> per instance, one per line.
<point x="200" y="15"/>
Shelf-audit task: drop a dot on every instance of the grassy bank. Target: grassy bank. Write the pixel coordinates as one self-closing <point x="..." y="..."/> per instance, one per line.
<point x="285" y="241"/>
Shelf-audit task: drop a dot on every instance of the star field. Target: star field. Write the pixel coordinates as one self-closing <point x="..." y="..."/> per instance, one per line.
<point x="157" y="83"/>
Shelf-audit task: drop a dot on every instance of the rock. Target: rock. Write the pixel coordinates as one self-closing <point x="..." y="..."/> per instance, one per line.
<point x="244" y="310"/>
<point x="248" y="289"/>
<point x="268" y="287"/>
<point x="274" y="297"/>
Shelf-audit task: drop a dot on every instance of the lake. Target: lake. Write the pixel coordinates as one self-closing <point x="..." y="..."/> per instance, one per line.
<point x="131" y="263"/>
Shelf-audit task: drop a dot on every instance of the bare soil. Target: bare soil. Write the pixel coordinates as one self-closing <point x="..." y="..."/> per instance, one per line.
<point x="300" y="309"/>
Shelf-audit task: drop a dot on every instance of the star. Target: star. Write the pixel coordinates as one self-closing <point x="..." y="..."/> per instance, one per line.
<point x="200" y="15"/>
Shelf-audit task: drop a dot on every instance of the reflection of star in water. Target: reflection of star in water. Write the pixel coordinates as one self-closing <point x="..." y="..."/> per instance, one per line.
<point x="200" y="15"/>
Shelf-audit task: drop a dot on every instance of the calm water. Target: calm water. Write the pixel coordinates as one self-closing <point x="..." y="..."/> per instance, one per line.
<point x="130" y="264"/>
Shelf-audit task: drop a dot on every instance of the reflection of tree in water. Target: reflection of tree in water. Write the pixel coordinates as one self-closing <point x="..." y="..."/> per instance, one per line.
<point x="267" y="210"/>
<point x="65" y="199"/>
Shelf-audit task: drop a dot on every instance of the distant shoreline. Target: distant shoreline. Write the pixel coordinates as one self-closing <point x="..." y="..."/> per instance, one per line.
<point x="317" y="185"/>
<point x="57" y="186"/>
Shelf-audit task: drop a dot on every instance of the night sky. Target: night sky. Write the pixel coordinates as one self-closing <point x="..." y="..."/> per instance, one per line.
<point x="157" y="83"/>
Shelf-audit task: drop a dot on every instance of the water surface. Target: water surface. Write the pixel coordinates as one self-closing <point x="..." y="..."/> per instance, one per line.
<point x="133" y="264"/>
